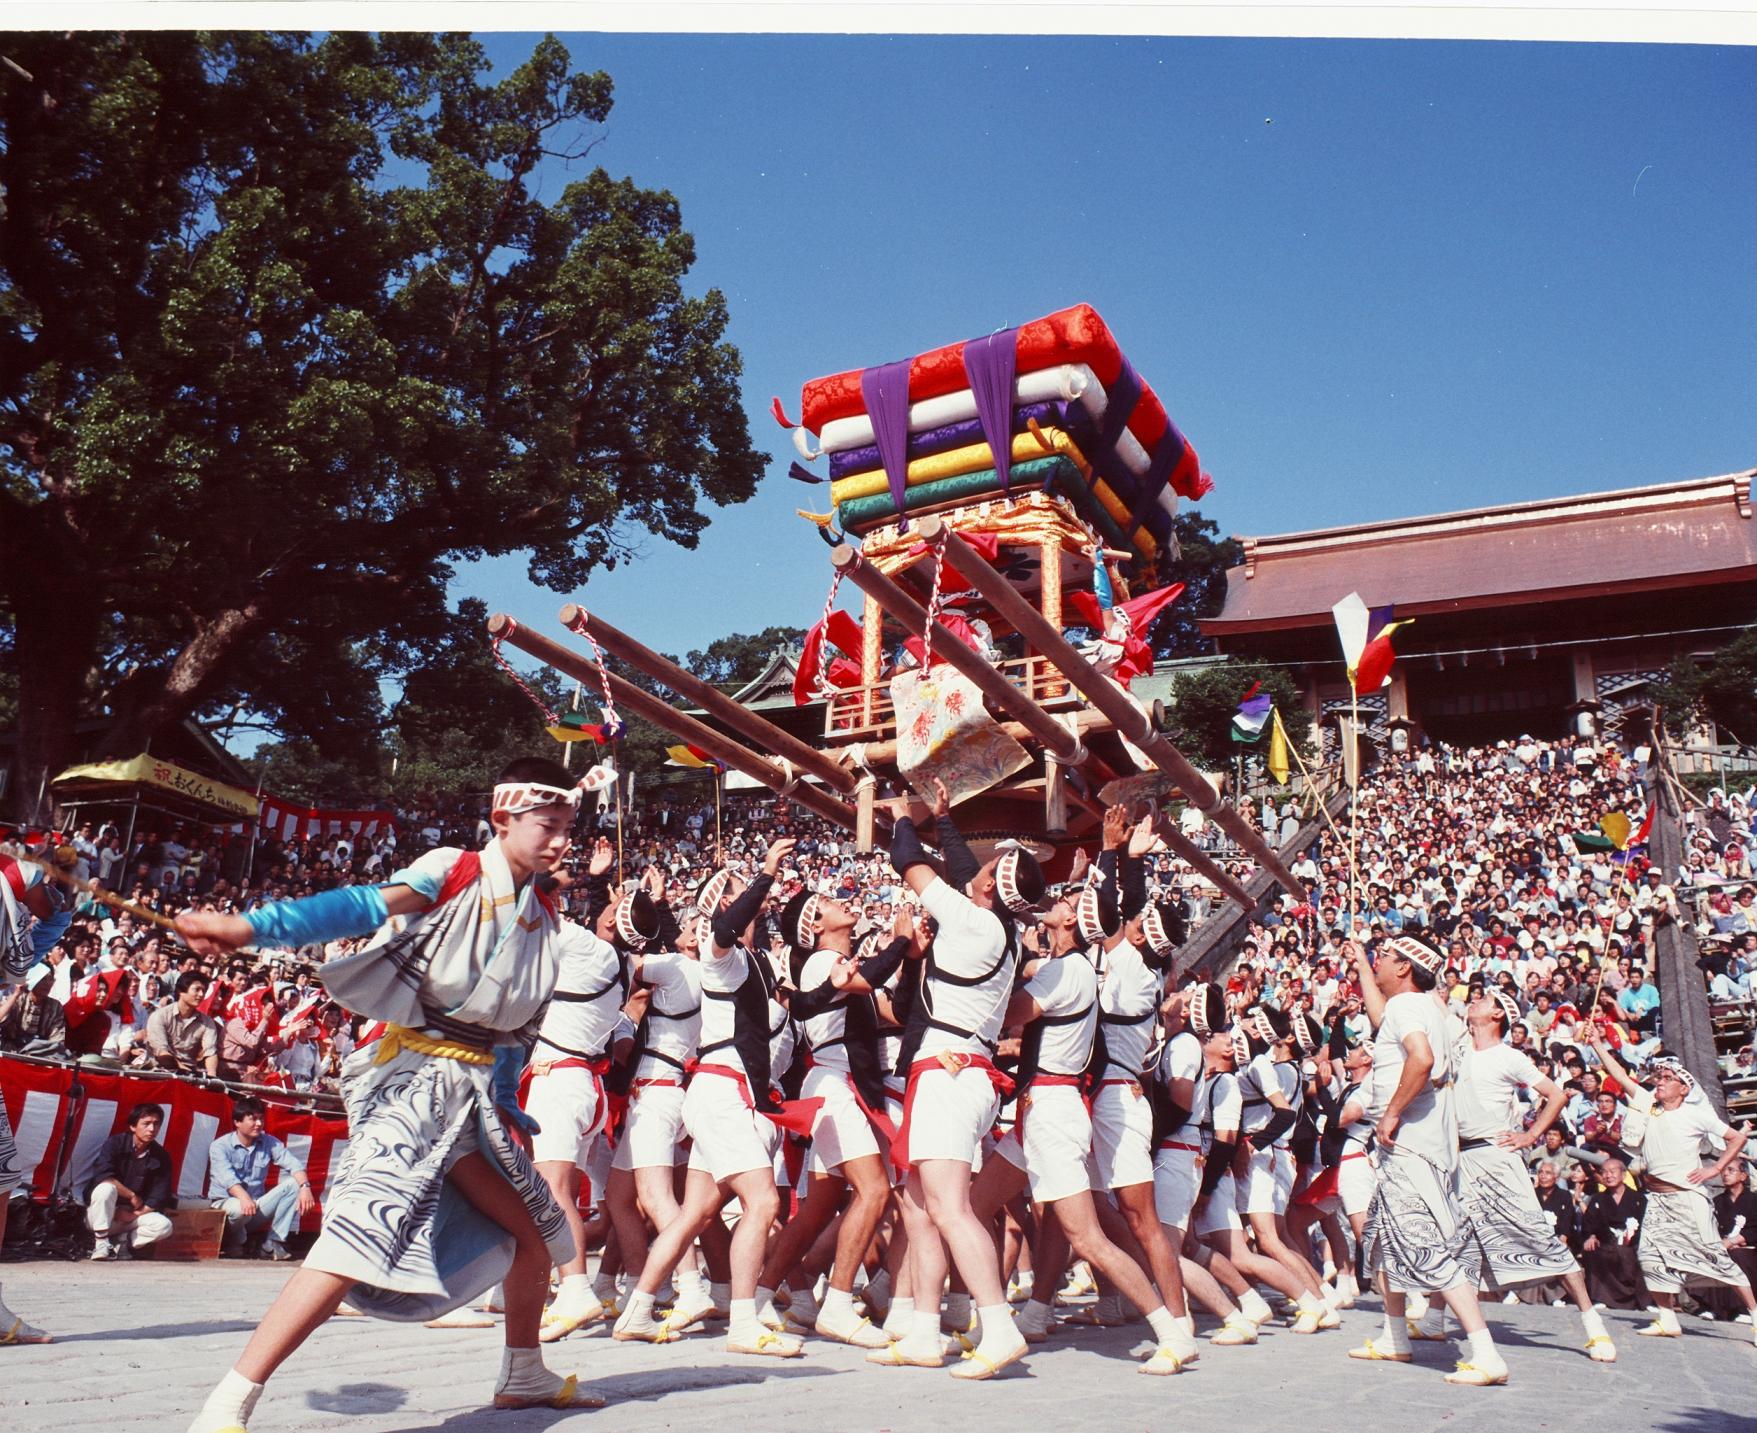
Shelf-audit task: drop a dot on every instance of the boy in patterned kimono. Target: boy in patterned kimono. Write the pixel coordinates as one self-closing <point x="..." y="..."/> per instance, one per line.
<point x="434" y="1202"/>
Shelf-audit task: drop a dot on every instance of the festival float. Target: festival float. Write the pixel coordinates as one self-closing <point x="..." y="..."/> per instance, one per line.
<point x="1005" y="507"/>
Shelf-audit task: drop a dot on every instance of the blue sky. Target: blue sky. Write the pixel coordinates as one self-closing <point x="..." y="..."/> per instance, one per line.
<point x="1368" y="279"/>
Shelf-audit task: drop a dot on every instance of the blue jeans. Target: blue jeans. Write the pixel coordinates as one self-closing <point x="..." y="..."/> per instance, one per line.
<point x="276" y="1211"/>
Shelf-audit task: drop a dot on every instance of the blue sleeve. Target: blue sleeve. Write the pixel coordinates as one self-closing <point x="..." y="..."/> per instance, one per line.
<point x="313" y="920"/>
<point x="220" y="1175"/>
<point x="49" y="929"/>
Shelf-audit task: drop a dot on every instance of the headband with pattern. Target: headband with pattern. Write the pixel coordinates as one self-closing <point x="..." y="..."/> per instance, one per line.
<point x="1006" y="883"/>
<point x="1666" y="1065"/>
<point x="711" y="891"/>
<point x="1153" y="926"/>
<point x="1200" y="999"/>
<point x="1509" y="1007"/>
<point x="1241" y="1045"/>
<point x="517" y="797"/>
<point x="1088" y="916"/>
<point x="631" y="934"/>
<point x="1416" y="952"/>
<point x="809" y="920"/>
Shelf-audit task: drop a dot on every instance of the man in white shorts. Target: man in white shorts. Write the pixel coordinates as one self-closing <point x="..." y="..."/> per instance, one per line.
<point x="1269" y="1085"/>
<point x="732" y="1141"/>
<point x="649" y="1148"/>
<point x="1179" y="1091"/>
<point x="951" y="1096"/>
<point x="570" y="1059"/>
<point x="834" y="1002"/>
<point x="1058" y="1008"/>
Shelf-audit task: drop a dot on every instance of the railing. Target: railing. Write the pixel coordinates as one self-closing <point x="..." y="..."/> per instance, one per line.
<point x="865" y="713"/>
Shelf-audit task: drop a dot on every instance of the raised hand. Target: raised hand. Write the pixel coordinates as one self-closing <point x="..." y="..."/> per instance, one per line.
<point x="1142" y="837"/>
<point x="778" y="853"/>
<point x="1116" y="826"/>
<point x="603" y="856"/>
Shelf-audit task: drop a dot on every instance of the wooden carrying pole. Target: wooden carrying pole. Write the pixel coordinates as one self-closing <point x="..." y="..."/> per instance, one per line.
<point x="1108" y="698"/>
<point x="722" y="748"/>
<point x="1003" y="697"/>
<point x="764" y="735"/>
<point x="1202" y="862"/>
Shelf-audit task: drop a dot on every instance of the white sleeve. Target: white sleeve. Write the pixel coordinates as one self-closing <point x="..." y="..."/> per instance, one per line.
<point x="1048" y="988"/>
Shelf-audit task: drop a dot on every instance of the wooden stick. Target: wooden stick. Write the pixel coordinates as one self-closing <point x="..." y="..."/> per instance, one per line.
<point x="643" y="703"/>
<point x="1109" y="699"/>
<point x="102" y="896"/>
<point x="762" y="734"/>
<point x="1002" y="695"/>
<point x="1202" y="861"/>
<point x="880" y="753"/>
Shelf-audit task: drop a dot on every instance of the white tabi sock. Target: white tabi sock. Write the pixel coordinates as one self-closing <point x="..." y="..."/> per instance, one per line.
<point x="1185" y="1342"/>
<point x="1000" y="1335"/>
<point x="1308" y="1303"/>
<point x="901" y="1318"/>
<point x="575" y="1297"/>
<point x="1483" y="1352"/>
<point x="743" y="1327"/>
<point x="637" y="1312"/>
<point x="838" y="1305"/>
<point x="691" y="1286"/>
<point x="924" y="1332"/>
<point x="1593" y="1324"/>
<point x="522" y="1372"/>
<point x="1252" y="1305"/>
<point x="1162" y="1323"/>
<point x="1396" y="1334"/>
<point x="1036" y="1317"/>
<point x="1433" y="1322"/>
<point x="604" y="1286"/>
<point x="229" y="1405"/>
<point x="1668" y="1320"/>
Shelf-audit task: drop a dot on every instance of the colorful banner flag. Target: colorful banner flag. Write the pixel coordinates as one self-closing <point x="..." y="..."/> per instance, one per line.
<point x="1277" y="748"/>
<point x="683" y="754"/>
<point x="1365" y="634"/>
<point x="1252" y="714"/>
<point x="286" y="822"/>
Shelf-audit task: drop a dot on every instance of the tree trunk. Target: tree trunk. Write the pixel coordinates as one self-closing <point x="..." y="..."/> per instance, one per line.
<point x="152" y="701"/>
<point x="54" y="640"/>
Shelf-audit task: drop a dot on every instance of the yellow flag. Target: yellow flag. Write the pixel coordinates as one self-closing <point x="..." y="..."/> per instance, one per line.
<point x="1277" y="748"/>
<point x="1615" y="826"/>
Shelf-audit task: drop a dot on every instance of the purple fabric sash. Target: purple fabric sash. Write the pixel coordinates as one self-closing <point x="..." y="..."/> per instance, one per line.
<point x="949" y="436"/>
<point x="988" y="365"/>
<point x="1166" y="454"/>
<point x="886" y="391"/>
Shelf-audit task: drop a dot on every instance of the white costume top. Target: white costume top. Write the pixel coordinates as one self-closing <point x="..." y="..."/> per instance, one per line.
<point x="1427" y="1127"/>
<point x="824" y="1033"/>
<point x="1131" y="992"/>
<point x="1219" y="1105"/>
<point x="676" y="981"/>
<point x="1672" y="1141"/>
<point x="970" y="941"/>
<point x="1489" y="1082"/>
<point x="575" y="1027"/>
<point x="1066" y="986"/>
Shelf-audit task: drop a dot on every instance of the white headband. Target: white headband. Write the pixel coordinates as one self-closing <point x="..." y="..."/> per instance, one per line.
<point x="1153" y="927"/>
<point x="517" y="797"/>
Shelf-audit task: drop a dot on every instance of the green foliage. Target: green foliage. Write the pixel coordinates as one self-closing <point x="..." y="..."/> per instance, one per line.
<point x="1722" y="690"/>
<point x="737" y="660"/>
<point x="287" y="326"/>
<point x="1203" y="704"/>
<point x="1205" y="556"/>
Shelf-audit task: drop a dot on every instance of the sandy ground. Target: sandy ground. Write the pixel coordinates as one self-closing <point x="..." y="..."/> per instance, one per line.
<point x="137" y="1347"/>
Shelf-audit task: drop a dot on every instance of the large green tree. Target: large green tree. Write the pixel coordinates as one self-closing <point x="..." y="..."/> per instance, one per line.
<point x="1721" y="689"/>
<point x="287" y="327"/>
<point x="1203" y="704"/>
<point x="1203" y="559"/>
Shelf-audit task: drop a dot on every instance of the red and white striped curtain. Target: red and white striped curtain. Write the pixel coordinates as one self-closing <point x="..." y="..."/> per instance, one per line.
<point x="286" y="822"/>
<point x="49" y="1118"/>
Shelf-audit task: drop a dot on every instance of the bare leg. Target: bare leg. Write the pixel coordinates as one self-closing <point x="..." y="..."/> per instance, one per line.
<point x="814" y="1216"/>
<point x="1136" y="1203"/>
<point x="563" y="1179"/>
<point x="945" y="1192"/>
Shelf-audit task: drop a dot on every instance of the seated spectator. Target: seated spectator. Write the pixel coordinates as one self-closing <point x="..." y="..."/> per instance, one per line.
<point x="32" y="1021"/>
<point x="1603" y="1128"/>
<point x="179" y="1036"/>
<point x="1608" y="1244"/>
<point x="126" y="1187"/>
<point x="238" y="1166"/>
<point x="1735" y="1215"/>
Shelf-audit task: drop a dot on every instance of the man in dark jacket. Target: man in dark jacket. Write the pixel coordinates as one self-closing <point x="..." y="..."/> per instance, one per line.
<point x="1735" y="1216"/>
<point x="1609" y="1234"/>
<point x="127" y="1187"/>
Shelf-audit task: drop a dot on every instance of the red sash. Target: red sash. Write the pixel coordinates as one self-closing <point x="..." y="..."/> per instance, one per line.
<point x="1078" y="1082"/>
<point x="879" y="1119"/>
<point x="1320" y="1187"/>
<point x="954" y="1063"/>
<point x="795" y="1116"/>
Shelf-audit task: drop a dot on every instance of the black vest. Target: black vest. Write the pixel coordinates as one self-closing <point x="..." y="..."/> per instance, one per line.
<point x="750" y="1027"/>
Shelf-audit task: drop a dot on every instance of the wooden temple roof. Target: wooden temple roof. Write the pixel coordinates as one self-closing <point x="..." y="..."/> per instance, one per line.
<point x="1694" y="533"/>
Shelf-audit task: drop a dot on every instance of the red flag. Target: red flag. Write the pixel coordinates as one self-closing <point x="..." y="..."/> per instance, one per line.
<point x="1644" y="830"/>
<point x="843" y="632"/>
<point x="1142" y="612"/>
<point x="986" y="545"/>
<point x="954" y="624"/>
<point x="83" y="999"/>
<point x="1376" y="659"/>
